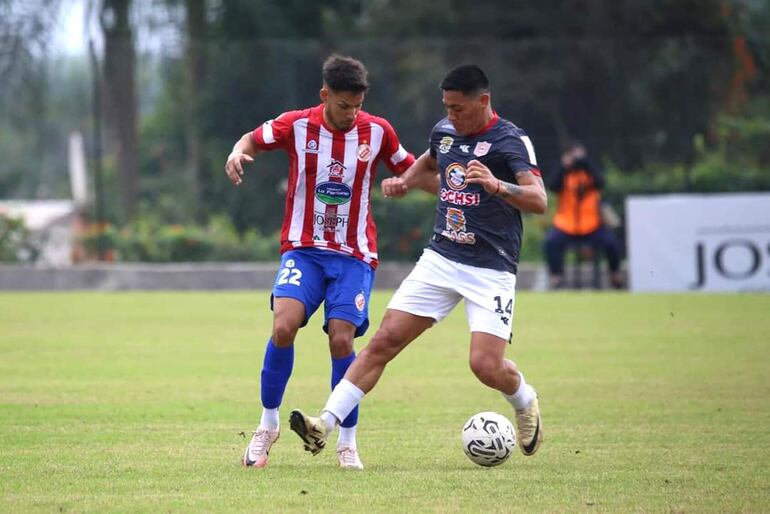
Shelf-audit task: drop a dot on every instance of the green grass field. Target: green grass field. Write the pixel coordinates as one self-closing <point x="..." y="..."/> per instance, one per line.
<point x="144" y="403"/>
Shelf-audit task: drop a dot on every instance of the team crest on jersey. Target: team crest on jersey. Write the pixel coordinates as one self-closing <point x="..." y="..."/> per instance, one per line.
<point x="446" y="144"/>
<point x="481" y="148"/>
<point x="364" y="152"/>
<point x="360" y="302"/>
<point x="333" y="193"/>
<point x="336" y="169"/>
<point x="311" y="146"/>
<point x="455" y="176"/>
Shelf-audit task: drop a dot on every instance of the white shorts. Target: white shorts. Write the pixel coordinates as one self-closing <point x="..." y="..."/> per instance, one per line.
<point x="437" y="284"/>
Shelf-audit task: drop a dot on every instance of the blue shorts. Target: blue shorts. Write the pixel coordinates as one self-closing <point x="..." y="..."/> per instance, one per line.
<point x="343" y="283"/>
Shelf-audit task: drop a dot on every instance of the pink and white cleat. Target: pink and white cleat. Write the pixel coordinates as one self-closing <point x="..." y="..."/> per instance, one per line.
<point x="259" y="448"/>
<point x="347" y="456"/>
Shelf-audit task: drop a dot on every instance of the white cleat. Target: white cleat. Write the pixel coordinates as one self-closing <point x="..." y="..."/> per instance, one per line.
<point x="347" y="456"/>
<point x="259" y="448"/>
<point x="529" y="429"/>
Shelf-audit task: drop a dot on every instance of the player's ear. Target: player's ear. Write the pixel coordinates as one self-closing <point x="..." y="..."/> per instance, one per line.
<point x="324" y="94"/>
<point x="484" y="98"/>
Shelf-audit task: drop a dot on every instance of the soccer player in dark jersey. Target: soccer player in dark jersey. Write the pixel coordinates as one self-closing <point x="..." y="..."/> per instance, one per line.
<point x="487" y="175"/>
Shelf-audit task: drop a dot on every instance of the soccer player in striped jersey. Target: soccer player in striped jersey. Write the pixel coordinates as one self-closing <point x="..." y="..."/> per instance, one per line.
<point x="328" y="237"/>
<point x="488" y="177"/>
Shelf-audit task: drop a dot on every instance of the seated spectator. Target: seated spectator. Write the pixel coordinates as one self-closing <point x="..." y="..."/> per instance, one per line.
<point x="578" y="217"/>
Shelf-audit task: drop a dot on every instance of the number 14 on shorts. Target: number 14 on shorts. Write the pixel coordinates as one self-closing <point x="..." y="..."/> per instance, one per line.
<point x="508" y="309"/>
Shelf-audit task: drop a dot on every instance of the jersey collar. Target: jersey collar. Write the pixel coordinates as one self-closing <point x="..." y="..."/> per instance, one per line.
<point x="486" y="127"/>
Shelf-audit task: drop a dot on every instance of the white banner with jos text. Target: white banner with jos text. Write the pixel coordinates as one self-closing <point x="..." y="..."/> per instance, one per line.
<point x="715" y="242"/>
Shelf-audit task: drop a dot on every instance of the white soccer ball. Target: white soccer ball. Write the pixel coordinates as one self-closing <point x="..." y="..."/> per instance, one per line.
<point x="488" y="439"/>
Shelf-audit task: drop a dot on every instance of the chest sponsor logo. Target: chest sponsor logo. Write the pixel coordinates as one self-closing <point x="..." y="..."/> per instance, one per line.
<point x="311" y="146"/>
<point x="456" y="227"/>
<point x="364" y="152"/>
<point x="336" y="169"/>
<point x="481" y="148"/>
<point x="446" y="144"/>
<point x="455" y="176"/>
<point x="459" y="197"/>
<point x="333" y="193"/>
<point x="330" y="221"/>
<point x="455" y="219"/>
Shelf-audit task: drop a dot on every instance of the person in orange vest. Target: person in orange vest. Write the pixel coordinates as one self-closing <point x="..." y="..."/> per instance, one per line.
<point x="578" y="217"/>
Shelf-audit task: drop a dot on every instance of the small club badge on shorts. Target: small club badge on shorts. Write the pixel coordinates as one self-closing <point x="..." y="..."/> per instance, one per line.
<point x="360" y="302"/>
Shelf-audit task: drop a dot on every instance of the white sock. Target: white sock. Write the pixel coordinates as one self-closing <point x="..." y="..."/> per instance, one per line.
<point x="269" y="419"/>
<point x="330" y="420"/>
<point x="342" y="401"/>
<point x="523" y="395"/>
<point x="347" y="437"/>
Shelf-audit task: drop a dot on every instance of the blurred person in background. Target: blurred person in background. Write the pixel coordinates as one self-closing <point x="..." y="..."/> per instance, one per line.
<point x="578" y="219"/>
<point x="328" y="236"/>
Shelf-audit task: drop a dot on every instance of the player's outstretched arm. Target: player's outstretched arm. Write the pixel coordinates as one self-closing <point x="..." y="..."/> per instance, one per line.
<point x="423" y="174"/>
<point x="244" y="151"/>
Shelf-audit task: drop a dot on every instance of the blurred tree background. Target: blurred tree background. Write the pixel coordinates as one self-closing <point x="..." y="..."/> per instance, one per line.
<point x="670" y="96"/>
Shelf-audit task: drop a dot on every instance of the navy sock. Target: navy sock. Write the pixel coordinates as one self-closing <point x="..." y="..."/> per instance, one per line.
<point x="276" y="370"/>
<point x="339" y="367"/>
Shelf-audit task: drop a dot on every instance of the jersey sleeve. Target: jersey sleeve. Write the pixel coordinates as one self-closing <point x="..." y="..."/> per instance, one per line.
<point x="396" y="158"/>
<point x="433" y="141"/>
<point x="521" y="155"/>
<point x="275" y="133"/>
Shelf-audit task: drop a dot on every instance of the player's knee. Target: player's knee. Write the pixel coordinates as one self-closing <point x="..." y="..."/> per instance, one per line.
<point x="340" y="345"/>
<point x="283" y="333"/>
<point x="385" y="344"/>
<point x="485" y="369"/>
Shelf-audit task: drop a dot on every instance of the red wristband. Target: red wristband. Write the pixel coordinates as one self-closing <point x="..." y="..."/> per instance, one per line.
<point x="498" y="188"/>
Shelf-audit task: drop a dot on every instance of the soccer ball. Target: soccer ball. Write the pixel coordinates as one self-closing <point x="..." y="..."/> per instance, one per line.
<point x="488" y="439"/>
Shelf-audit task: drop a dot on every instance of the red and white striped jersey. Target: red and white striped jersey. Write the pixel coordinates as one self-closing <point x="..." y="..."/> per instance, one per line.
<point x="331" y="173"/>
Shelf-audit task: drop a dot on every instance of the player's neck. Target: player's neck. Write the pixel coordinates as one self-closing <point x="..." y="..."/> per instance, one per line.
<point x="484" y="122"/>
<point x="327" y="120"/>
<point x="330" y="124"/>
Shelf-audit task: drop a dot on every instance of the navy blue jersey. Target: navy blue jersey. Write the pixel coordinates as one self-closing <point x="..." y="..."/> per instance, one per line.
<point x="472" y="226"/>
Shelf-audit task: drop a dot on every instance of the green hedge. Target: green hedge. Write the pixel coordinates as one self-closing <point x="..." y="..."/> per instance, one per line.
<point x="148" y="241"/>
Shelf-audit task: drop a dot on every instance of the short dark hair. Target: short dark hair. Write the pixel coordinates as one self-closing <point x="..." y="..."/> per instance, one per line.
<point x="345" y="74"/>
<point x="469" y="79"/>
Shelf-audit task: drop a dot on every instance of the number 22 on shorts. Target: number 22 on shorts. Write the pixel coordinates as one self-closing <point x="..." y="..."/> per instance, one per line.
<point x="289" y="274"/>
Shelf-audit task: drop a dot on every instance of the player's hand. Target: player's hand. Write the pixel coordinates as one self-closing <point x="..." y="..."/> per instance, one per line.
<point x="477" y="173"/>
<point x="394" y="187"/>
<point x="234" y="167"/>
